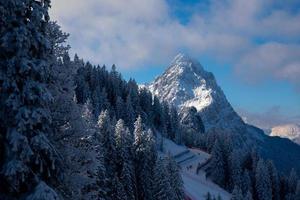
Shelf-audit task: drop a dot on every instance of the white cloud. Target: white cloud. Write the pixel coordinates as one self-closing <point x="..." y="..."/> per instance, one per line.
<point x="271" y="60"/>
<point x="269" y="118"/>
<point x="136" y="33"/>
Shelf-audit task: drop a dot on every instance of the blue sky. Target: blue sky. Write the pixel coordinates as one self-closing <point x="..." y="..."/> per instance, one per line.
<point x="252" y="47"/>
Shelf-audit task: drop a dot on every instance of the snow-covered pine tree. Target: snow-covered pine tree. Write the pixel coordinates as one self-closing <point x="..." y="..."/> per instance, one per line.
<point x="235" y="169"/>
<point x="162" y="189"/>
<point x="263" y="181"/>
<point x="25" y="59"/>
<point x="174" y="177"/>
<point x="61" y="83"/>
<point x="218" y="164"/>
<point x="108" y="144"/>
<point x="124" y="147"/>
<point x="150" y="157"/>
<point x="145" y="158"/>
<point x="43" y="191"/>
<point x="274" y="180"/>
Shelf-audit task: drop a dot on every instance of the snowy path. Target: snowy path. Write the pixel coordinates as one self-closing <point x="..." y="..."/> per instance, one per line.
<point x="196" y="186"/>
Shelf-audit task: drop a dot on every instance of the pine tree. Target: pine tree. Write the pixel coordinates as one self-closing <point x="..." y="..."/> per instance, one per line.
<point x="175" y="129"/>
<point x="129" y="113"/>
<point x="157" y="114"/>
<point x="43" y="192"/>
<point x="174" y="177"/>
<point x="246" y="182"/>
<point x="274" y="180"/>
<point x="162" y="188"/>
<point x="118" y="191"/>
<point x="108" y="144"/>
<point x="292" y="181"/>
<point x="124" y="142"/>
<point x="236" y="194"/>
<point x="236" y="170"/>
<point x="120" y="111"/>
<point x="263" y="182"/>
<point x="25" y="58"/>
<point x="218" y="165"/>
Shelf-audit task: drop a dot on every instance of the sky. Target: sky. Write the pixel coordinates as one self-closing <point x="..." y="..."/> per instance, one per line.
<point x="252" y="47"/>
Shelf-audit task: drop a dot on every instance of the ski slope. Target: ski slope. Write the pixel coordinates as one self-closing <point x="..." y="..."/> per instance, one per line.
<point x="196" y="186"/>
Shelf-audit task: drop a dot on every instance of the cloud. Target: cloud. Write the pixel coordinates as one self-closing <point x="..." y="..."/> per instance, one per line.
<point x="269" y="118"/>
<point x="259" y="38"/>
<point x="271" y="60"/>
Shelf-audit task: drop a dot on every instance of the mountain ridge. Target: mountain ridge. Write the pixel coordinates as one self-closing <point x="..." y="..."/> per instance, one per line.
<point x="185" y="83"/>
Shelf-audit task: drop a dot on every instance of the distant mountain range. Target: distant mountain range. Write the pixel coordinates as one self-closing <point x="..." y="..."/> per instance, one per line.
<point x="185" y="83"/>
<point x="290" y="131"/>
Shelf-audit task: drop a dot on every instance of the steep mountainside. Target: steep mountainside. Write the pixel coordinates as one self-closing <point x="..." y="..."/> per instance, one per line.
<point x="290" y="131"/>
<point x="185" y="84"/>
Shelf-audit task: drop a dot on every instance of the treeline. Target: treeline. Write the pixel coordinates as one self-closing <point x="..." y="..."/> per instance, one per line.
<point x="125" y="100"/>
<point x="247" y="176"/>
<point x="70" y="130"/>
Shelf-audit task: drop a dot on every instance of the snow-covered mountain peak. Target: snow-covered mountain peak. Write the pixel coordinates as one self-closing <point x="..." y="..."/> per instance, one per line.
<point x="186" y="64"/>
<point x="185" y="83"/>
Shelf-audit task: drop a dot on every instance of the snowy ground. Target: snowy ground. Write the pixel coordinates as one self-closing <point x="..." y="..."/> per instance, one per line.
<point x="196" y="185"/>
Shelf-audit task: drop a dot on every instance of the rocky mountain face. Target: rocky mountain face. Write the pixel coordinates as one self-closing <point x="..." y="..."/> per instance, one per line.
<point x="290" y="131"/>
<point x="185" y="83"/>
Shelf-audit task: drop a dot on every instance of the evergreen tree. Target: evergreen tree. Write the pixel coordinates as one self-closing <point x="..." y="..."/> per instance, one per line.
<point x="174" y="178"/>
<point x="120" y="108"/>
<point x="218" y="165"/>
<point x="274" y="180"/>
<point x="162" y="188"/>
<point x="157" y="114"/>
<point x="246" y="182"/>
<point x="124" y="142"/>
<point x="235" y="169"/>
<point x="236" y="194"/>
<point x="175" y="129"/>
<point x="292" y="181"/>
<point x="108" y="144"/>
<point x="118" y="191"/>
<point x="263" y="182"/>
<point x="43" y="192"/>
<point x="25" y="99"/>
<point x="129" y="113"/>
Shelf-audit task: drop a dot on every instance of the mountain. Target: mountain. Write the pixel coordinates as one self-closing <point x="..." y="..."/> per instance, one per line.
<point x="185" y="83"/>
<point x="290" y="131"/>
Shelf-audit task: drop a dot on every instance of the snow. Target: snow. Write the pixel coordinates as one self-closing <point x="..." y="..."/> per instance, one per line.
<point x="185" y="83"/>
<point x="196" y="186"/>
<point x="290" y="131"/>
